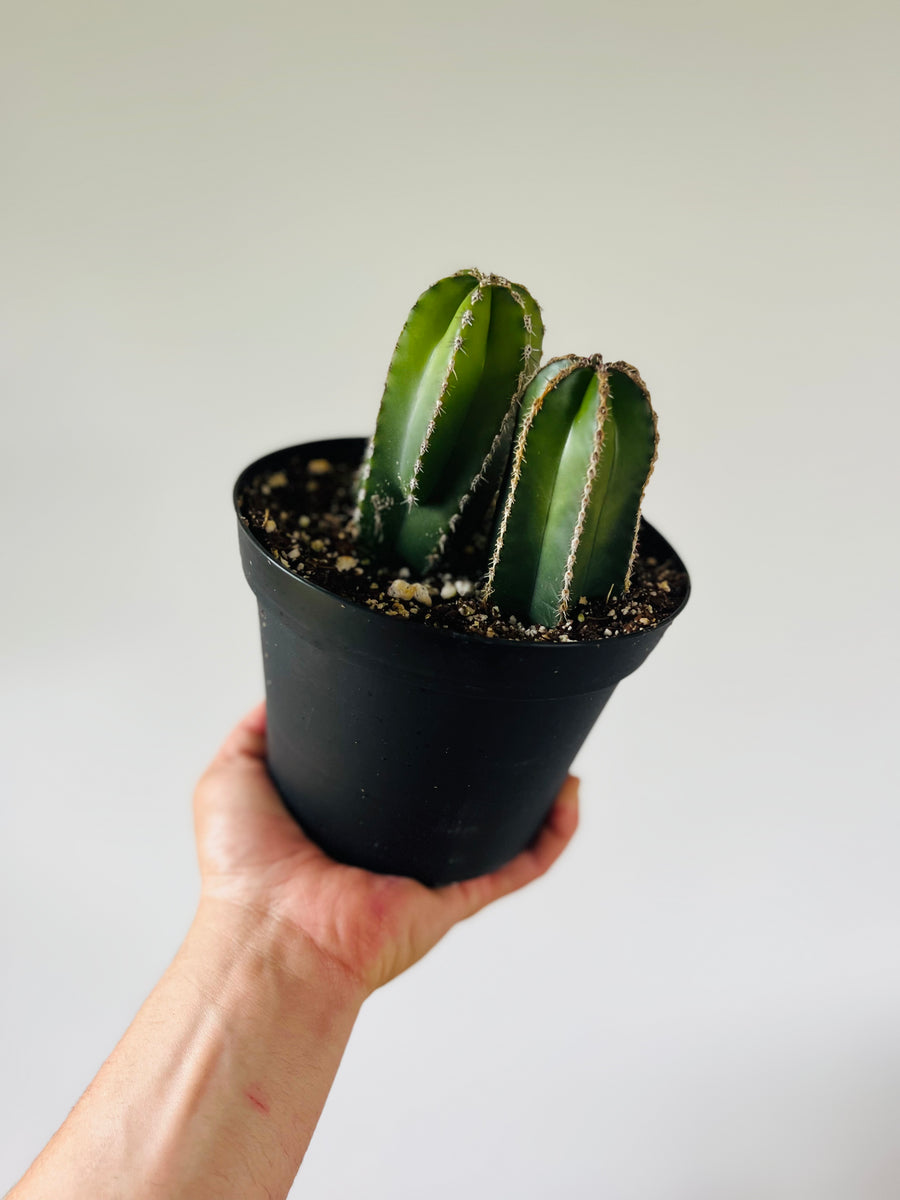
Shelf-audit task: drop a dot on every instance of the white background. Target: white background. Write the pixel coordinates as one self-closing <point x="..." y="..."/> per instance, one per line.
<point x="214" y="219"/>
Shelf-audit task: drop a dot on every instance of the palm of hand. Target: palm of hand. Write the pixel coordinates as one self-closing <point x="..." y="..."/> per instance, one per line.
<point x="252" y="853"/>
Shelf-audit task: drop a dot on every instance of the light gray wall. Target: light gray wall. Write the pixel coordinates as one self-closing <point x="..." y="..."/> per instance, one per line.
<point x="215" y="216"/>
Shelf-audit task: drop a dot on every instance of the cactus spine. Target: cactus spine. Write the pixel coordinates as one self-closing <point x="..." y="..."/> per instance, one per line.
<point x="567" y="525"/>
<point x="470" y="345"/>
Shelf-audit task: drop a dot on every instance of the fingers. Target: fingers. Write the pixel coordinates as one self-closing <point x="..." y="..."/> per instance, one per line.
<point x="470" y="896"/>
<point x="247" y="739"/>
<point x="238" y="772"/>
<point x="236" y="802"/>
<point x="558" y="831"/>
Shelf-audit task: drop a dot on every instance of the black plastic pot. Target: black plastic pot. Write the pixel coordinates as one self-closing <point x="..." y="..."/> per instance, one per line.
<point x="410" y="750"/>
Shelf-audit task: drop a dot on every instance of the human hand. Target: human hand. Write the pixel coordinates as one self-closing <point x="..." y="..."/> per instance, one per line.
<point x="254" y="855"/>
<point x="223" y="1073"/>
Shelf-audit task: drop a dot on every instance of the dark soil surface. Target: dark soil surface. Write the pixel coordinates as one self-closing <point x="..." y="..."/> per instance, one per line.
<point x="302" y="516"/>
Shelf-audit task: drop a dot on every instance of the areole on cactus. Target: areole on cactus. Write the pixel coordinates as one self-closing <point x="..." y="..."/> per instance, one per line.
<point x="567" y="523"/>
<point x="441" y="444"/>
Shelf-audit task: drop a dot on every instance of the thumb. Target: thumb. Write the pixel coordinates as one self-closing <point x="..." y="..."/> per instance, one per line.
<point x="237" y="780"/>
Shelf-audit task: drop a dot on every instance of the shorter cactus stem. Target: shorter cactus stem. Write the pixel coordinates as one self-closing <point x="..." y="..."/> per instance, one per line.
<point x="584" y="449"/>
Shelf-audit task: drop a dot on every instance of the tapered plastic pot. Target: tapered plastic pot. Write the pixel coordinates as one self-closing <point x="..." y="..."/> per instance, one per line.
<point x="410" y="750"/>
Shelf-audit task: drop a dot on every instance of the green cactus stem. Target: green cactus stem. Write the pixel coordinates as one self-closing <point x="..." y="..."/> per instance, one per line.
<point x="444" y="431"/>
<point x="567" y="525"/>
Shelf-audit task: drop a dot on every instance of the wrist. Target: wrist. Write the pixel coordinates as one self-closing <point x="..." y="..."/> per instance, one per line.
<point x="238" y="953"/>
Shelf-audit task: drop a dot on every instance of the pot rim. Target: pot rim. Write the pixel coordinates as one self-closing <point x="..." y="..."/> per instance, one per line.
<point x="456" y="635"/>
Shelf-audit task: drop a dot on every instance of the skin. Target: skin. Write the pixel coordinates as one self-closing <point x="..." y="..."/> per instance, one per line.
<point x="216" y="1087"/>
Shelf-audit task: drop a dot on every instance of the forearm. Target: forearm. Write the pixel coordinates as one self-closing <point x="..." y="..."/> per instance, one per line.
<point x="217" y="1086"/>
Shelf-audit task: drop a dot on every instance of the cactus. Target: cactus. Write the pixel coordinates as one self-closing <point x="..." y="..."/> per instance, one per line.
<point x="445" y="426"/>
<point x="567" y="525"/>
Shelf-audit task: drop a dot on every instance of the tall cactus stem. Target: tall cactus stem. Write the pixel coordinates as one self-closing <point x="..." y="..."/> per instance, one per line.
<point x="468" y="348"/>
